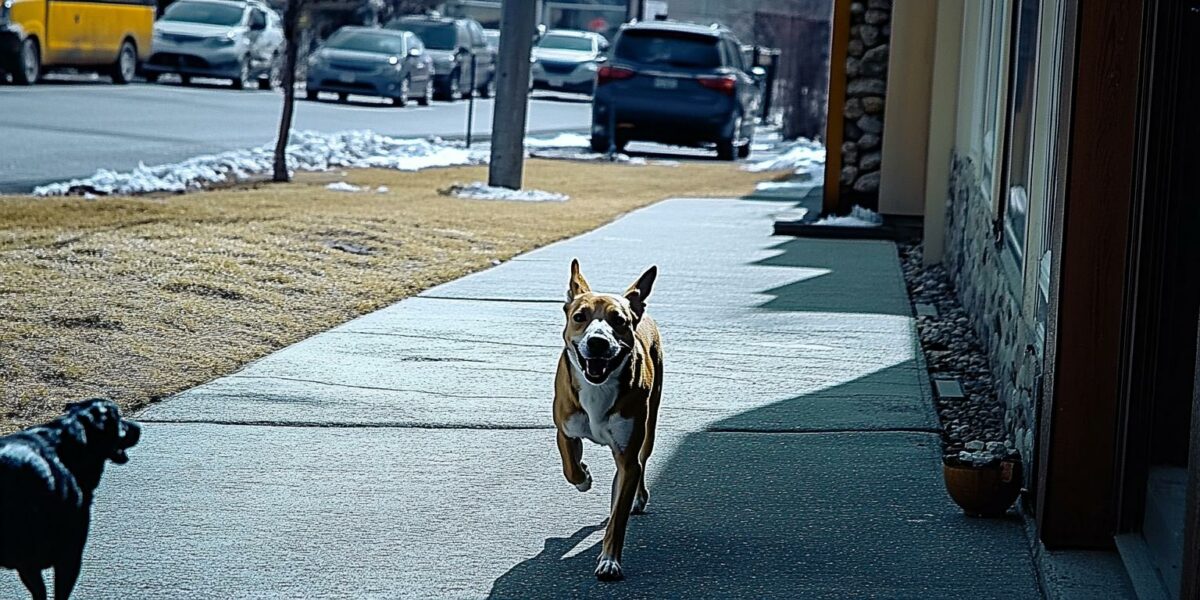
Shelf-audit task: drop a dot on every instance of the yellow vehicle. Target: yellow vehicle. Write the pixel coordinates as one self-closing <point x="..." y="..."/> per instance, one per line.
<point x="112" y="36"/>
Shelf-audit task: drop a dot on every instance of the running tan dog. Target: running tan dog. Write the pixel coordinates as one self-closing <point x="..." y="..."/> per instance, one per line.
<point x="607" y="390"/>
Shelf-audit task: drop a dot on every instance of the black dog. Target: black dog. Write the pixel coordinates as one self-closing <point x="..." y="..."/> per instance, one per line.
<point x="47" y="476"/>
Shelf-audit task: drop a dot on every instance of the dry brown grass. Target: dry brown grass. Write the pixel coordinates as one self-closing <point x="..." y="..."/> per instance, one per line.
<point x="139" y="298"/>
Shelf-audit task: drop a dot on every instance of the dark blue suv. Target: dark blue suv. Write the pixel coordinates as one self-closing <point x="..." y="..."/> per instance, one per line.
<point x="676" y="83"/>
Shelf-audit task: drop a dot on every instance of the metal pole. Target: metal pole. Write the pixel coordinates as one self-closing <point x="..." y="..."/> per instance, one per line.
<point x="471" y="101"/>
<point x="518" y="25"/>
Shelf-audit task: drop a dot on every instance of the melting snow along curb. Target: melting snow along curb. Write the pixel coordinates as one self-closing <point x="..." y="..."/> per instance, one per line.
<point x="308" y="151"/>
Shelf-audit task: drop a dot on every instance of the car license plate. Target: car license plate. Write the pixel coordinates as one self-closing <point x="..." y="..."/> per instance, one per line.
<point x="665" y="83"/>
<point x="346" y="77"/>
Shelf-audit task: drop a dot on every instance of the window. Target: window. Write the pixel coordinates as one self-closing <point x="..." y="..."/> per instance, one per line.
<point x="669" y="48"/>
<point x="206" y="13"/>
<point x="1018" y="163"/>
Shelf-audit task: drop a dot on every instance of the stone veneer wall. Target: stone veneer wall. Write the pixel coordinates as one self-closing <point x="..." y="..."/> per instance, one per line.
<point x="866" y="88"/>
<point x="973" y="262"/>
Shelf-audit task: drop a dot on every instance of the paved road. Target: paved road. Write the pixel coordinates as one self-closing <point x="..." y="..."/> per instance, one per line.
<point x="409" y="454"/>
<point x="69" y="129"/>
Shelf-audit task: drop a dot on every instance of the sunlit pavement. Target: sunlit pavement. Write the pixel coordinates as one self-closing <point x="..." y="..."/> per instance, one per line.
<point x="409" y="453"/>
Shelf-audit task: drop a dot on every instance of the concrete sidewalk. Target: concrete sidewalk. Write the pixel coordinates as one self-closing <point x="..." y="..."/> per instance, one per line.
<point x="410" y="453"/>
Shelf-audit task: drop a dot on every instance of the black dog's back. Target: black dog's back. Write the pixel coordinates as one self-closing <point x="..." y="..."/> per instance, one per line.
<point x="39" y="497"/>
<point x="47" y="477"/>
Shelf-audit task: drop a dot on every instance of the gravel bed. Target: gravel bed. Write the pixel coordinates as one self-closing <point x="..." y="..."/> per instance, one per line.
<point x="952" y="351"/>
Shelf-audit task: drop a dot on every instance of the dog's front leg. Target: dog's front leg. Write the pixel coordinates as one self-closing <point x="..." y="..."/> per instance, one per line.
<point x="571" y="450"/>
<point x="625" y="485"/>
<point x="32" y="578"/>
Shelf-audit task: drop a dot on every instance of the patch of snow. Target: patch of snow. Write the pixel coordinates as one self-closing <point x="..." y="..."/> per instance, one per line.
<point x="800" y="156"/>
<point x="781" y="186"/>
<point x="481" y="191"/>
<point x="383" y="189"/>
<point x="858" y="217"/>
<point x="306" y="151"/>
<point x="562" y="140"/>
<point x="342" y="186"/>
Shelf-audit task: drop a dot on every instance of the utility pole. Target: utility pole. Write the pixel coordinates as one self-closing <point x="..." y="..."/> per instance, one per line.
<point x="518" y="25"/>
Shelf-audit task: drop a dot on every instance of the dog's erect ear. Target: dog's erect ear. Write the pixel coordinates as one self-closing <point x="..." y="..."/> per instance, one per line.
<point x="640" y="290"/>
<point x="578" y="284"/>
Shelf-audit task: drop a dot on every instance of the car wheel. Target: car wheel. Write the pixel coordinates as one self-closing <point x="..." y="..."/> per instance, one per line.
<point x="311" y="94"/>
<point x="725" y="150"/>
<point x="402" y="99"/>
<point x="489" y="89"/>
<point x="243" y="80"/>
<point x="743" y="151"/>
<point x="427" y="97"/>
<point x="185" y="80"/>
<point x="31" y="63"/>
<point x="343" y="96"/>
<point x="274" y="78"/>
<point x="125" y="68"/>
<point x="453" y="86"/>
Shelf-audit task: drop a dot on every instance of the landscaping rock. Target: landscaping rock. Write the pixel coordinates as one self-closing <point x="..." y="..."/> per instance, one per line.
<point x="866" y="87"/>
<point x="872" y="105"/>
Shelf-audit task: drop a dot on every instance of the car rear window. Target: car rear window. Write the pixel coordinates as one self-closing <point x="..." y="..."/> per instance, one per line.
<point x="554" y="41"/>
<point x="669" y="48"/>
<point x="365" y="41"/>
<point x="437" y="36"/>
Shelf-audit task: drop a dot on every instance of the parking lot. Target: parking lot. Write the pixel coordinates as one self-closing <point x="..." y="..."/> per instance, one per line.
<point x="71" y="126"/>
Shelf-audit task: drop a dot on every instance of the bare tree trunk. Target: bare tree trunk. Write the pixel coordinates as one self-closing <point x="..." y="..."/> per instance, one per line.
<point x="291" y="26"/>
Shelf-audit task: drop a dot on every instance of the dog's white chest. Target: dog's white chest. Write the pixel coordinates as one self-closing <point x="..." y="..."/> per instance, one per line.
<point x="594" y="423"/>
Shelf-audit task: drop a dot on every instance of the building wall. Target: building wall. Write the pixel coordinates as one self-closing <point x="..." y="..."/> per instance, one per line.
<point x="1005" y="293"/>
<point x="910" y="70"/>
<point x="863" y="109"/>
<point x="985" y="288"/>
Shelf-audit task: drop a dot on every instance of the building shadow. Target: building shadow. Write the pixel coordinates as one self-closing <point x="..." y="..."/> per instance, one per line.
<point x="740" y="511"/>
<point x="859" y="277"/>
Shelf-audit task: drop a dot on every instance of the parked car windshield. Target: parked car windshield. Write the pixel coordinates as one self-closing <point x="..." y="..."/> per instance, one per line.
<point x="366" y="41"/>
<point x="437" y="36"/>
<point x="493" y="38"/>
<point x="565" y="42"/>
<point x="208" y="13"/>
<point x="669" y="48"/>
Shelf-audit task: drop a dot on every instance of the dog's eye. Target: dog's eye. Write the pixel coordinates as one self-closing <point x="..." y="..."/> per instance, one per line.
<point x="578" y="317"/>
<point x="618" y="320"/>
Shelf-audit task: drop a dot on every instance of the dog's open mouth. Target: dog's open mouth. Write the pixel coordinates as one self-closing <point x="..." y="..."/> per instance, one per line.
<point x="596" y="370"/>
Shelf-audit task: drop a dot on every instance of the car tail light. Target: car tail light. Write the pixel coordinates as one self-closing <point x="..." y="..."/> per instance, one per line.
<point x="607" y="74"/>
<point x="724" y="84"/>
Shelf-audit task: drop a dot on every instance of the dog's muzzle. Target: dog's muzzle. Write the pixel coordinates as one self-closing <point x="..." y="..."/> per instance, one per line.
<point x="598" y="358"/>
<point x="130" y="434"/>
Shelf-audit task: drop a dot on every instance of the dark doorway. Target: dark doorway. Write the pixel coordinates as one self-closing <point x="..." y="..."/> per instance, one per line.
<point x="1163" y="304"/>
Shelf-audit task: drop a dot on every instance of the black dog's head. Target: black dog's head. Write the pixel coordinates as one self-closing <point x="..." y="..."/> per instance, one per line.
<point x="97" y="425"/>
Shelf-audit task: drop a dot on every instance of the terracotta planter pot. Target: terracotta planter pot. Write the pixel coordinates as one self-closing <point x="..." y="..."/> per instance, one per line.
<point x="984" y="491"/>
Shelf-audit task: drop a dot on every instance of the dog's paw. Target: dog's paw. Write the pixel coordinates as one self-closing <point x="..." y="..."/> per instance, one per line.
<point x="586" y="484"/>
<point x="639" y="504"/>
<point x="608" y="569"/>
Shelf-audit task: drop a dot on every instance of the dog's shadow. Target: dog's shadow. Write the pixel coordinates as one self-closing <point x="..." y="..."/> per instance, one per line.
<point x="549" y="575"/>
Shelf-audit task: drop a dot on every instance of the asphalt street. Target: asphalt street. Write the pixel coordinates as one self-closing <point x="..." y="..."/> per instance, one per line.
<point x="65" y="129"/>
<point x="410" y="453"/>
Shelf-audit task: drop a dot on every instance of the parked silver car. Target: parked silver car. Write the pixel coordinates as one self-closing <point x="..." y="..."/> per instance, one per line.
<point x="565" y="60"/>
<point x="230" y="39"/>
<point x="373" y="62"/>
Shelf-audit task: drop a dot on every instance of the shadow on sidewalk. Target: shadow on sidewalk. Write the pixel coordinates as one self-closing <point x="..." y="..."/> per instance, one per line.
<point x="851" y="283"/>
<point x="848" y="514"/>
